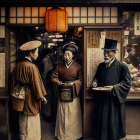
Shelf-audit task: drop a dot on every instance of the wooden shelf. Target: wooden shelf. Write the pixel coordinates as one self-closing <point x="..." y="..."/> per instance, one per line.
<point x="4" y="97"/>
<point x="133" y="98"/>
<point x="129" y="98"/>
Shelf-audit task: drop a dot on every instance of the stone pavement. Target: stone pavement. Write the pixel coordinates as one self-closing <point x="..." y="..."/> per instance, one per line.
<point x="132" y="137"/>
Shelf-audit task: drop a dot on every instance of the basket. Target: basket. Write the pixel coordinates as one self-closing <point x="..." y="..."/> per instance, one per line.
<point x="18" y="98"/>
<point x="17" y="104"/>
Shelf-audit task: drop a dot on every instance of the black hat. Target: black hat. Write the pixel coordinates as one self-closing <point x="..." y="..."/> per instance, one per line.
<point x="110" y="44"/>
<point x="71" y="46"/>
<point x="50" y="50"/>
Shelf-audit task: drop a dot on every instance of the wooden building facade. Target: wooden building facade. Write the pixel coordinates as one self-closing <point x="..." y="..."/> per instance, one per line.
<point x="90" y="22"/>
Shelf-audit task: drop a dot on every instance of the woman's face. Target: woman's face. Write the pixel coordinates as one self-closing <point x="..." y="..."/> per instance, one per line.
<point x="68" y="55"/>
<point x="34" y="55"/>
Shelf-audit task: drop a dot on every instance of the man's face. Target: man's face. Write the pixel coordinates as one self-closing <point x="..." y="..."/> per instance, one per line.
<point x="68" y="55"/>
<point x="132" y="52"/>
<point x="51" y="54"/>
<point x="108" y="55"/>
<point x="34" y="55"/>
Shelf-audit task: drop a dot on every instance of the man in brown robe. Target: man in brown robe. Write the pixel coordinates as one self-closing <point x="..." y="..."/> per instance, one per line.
<point x="69" y="120"/>
<point x="26" y="73"/>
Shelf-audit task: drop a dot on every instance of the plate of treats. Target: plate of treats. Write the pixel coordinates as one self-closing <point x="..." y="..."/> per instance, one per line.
<point x="101" y="88"/>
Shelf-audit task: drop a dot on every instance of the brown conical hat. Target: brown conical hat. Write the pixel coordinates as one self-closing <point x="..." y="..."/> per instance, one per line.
<point x="30" y="45"/>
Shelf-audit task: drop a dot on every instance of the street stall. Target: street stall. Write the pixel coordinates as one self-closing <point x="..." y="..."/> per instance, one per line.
<point x="87" y="23"/>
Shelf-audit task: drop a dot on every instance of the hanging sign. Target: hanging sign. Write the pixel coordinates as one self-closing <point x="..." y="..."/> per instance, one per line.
<point x="93" y="54"/>
<point x="137" y="23"/>
<point x="114" y="35"/>
<point x="93" y="39"/>
<point x="2" y="69"/>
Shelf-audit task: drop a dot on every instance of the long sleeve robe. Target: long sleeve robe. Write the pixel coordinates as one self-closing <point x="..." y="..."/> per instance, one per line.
<point x="69" y="119"/>
<point x="46" y="66"/>
<point x="109" y="121"/>
<point x="27" y="73"/>
<point x="45" y="71"/>
<point x="73" y="73"/>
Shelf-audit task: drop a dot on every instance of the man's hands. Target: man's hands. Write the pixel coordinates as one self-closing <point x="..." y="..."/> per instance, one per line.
<point x="44" y="100"/>
<point x="65" y="84"/>
<point x="110" y="88"/>
<point x="94" y="84"/>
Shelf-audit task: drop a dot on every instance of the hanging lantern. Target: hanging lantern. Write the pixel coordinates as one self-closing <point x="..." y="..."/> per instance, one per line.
<point x="56" y="20"/>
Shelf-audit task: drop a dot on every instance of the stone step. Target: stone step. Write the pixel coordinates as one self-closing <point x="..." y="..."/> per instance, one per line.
<point x="133" y="137"/>
<point x="128" y="137"/>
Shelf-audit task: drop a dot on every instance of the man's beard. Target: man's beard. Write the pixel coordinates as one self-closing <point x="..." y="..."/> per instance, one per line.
<point x="107" y="59"/>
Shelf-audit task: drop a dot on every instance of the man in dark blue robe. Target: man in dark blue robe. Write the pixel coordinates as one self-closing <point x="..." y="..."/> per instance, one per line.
<point x="46" y="69"/>
<point x="109" y="122"/>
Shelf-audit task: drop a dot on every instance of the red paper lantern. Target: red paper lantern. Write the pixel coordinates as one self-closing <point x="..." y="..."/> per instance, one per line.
<point x="56" y="20"/>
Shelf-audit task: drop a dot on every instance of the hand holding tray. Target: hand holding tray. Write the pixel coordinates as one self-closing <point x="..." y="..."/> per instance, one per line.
<point x="101" y="88"/>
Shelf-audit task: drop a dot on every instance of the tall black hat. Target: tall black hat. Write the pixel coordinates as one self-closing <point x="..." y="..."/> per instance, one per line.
<point x="70" y="46"/>
<point x="110" y="44"/>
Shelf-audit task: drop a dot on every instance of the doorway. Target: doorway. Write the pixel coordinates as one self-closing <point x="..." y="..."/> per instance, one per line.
<point x="94" y="39"/>
<point x="21" y="35"/>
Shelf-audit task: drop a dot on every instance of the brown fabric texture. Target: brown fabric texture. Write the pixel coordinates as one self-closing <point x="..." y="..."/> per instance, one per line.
<point x="73" y="73"/>
<point x="26" y="72"/>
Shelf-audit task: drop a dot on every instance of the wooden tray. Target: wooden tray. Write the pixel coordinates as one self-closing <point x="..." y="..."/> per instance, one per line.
<point x="101" y="88"/>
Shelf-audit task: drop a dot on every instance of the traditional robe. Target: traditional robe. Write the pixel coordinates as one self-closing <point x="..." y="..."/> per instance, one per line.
<point x="27" y="73"/>
<point x="45" y="71"/>
<point x="69" y="120"/>
<point x="109" y="121"/>
<point x="46" y="67"/>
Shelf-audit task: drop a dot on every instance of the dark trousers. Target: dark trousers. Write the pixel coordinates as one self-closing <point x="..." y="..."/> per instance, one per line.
<point x="50" y="109"/>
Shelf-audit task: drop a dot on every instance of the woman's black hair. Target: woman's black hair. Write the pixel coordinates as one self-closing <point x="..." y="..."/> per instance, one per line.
<point x="26" y="53"/>
<point x="67" y="50"/>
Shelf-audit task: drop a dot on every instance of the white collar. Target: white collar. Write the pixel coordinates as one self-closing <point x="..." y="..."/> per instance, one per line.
<point x="48" y="56"/>
<point x="28" y="58"/>
<point x="110" y="62"/>
<point x="68" y="64"/>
